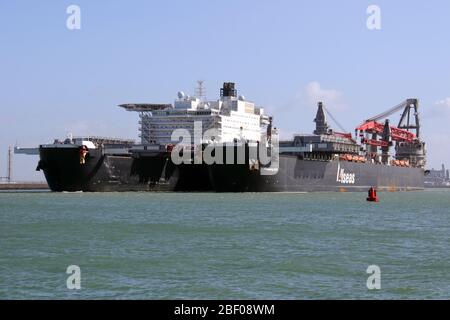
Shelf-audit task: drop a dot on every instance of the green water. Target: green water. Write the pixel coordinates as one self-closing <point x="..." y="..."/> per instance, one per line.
<point x="224" y="246"/>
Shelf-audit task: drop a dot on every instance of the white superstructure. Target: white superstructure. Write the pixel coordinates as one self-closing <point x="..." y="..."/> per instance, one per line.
<point x="234" y="118"/>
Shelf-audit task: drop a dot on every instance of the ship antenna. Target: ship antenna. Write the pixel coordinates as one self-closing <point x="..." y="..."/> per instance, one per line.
<point x="200" y="90"/>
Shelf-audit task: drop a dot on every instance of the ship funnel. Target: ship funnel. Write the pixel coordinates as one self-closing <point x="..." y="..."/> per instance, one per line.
<point x="228" y="90"/>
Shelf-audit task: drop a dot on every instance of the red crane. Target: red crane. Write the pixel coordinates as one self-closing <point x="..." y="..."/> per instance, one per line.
<point x="399" y="133"/>
<point x="378" y="128"/>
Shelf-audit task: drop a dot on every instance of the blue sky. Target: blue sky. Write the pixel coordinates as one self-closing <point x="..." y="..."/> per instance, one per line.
<point x="283" y="55"/>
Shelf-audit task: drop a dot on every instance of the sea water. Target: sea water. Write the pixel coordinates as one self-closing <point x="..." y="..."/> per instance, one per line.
<point x="224" y="246"/>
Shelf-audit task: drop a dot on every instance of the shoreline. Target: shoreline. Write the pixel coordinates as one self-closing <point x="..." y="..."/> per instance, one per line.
<point x="24" y="186"/>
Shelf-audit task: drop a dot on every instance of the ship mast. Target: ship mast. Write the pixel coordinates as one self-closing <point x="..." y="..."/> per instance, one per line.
<point x="200" y="90"/>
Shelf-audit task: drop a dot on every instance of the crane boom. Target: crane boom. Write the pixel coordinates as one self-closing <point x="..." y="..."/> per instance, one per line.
<point x="387" y="113"/>
<point x="397" y="134"/>
<point x="334" y="120"/>
<point x="408" y="146"/>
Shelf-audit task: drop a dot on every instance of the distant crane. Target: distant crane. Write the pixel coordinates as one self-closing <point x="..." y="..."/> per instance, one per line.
<point x="8" y="177"/>
<point x="9" y="164"/>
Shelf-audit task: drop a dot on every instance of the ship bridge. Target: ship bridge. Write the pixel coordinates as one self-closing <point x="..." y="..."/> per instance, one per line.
<point x="233" y="116"/>
<point x="145" y="107"/>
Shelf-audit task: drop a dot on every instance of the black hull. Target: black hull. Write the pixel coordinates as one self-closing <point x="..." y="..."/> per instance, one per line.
<point x="298" y="175"/>
<point x="102" y="173"/>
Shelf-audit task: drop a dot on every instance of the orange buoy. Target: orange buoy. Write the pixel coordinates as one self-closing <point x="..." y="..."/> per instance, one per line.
<point x="372" y="195"/>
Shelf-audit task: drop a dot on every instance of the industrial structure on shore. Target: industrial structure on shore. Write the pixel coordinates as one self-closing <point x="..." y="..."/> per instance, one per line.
<point x="437" y="178"/>
<point x="7" y="182"/>
<point x="8" y="177"/>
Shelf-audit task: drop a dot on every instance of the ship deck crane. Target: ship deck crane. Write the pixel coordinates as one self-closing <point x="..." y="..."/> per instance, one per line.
<point x="344" y="133"/>
<point x="406" y="132"/>
<point x="399" y="133"/>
